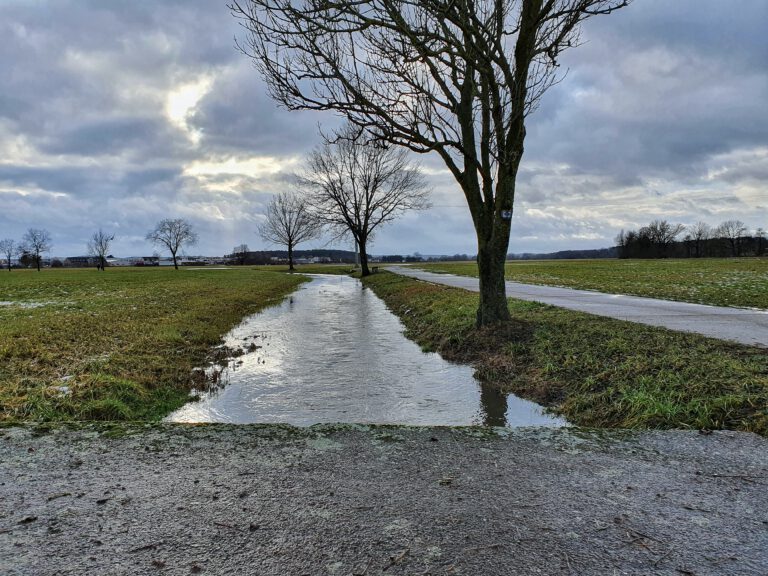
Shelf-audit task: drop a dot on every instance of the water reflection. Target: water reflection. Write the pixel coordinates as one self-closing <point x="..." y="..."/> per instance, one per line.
<point x="333" y="352"/>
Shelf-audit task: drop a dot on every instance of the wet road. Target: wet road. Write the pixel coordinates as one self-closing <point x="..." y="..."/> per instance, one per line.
<point x="745" y="326"/>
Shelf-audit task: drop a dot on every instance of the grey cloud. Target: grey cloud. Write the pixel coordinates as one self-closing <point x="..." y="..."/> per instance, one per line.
<point x="102" y="137"/>
<point x="239" y="116"/>
<point x="656" y="90"/>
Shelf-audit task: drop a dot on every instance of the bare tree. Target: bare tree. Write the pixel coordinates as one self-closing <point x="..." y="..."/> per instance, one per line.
<point x="98" y="246"/>
<point x="240" y="254"/>
<point x="760" y="233"/>
<point x="8" y="249"/>
<point x="661" y="233"/>
<point x="356" y="187"/>
<point x="621" y="244"/>
<point x="457" y="78"/>
<point x="732" y="231"/>
<point x="700" y="233"/>
<point x="174" y="235"/>
<point x="35" y="242"/>
<point x="288" y="223"/>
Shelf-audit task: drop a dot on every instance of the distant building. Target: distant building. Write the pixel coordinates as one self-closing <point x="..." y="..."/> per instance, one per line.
<point x="147" y="261"/>
<point x="80" y="261"/>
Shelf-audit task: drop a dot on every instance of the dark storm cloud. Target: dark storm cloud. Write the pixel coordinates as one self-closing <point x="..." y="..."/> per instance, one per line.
<point x="118" y="114"/>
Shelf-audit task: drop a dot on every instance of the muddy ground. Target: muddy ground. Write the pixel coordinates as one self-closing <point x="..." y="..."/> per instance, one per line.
<point x="217" y="499"/>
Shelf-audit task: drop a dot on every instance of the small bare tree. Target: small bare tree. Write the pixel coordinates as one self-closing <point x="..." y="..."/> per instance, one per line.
<point x="732" y="231"/>
<point x="174" y="235"/>
<point x="760" y="233"/>
<point x="36" y="242"/>
<point x="8" y="249"/>
<point x="98" y="246"/>
<point x="700" y="233"/>
<point x="288" y="223"/>
<point x="357" y="187"/>
<point x="457" y="78"/>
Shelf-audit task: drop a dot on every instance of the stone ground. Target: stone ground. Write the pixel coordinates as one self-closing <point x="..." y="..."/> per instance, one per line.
<point x="743" y="325"/>
<point x="356" y="500"/>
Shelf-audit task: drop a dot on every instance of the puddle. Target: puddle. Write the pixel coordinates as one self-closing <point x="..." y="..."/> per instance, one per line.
<point x="333" y="352"/>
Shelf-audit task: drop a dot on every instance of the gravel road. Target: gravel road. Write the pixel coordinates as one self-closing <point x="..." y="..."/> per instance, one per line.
<point x="357" y="500"/>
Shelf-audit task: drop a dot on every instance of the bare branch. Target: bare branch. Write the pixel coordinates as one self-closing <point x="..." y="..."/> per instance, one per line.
<point x="7" y="249"/>
<point x="455" y="77"/>
<point x="289" y="222"/>
<point x="98" y="246"/>
<point x="35" y="242"/>
<point x="173" y="234"/>
<point x="355" y="187"/>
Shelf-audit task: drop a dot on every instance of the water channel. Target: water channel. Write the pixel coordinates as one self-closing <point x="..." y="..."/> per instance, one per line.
<point x="333" y="352"/>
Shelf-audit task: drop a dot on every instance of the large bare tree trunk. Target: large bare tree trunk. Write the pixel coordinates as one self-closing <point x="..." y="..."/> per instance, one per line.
<point x="491" y="257"/>
<point x="364" y="259"/>
<point x="290" y="256"/>
<point x="175" y="264"/>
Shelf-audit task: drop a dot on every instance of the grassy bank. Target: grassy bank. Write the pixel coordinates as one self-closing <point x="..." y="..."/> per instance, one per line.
<point x="595" y="371"/>
<point x="337" y="269"/>
<point x="123" y="342"/>
<point x="717" y="281"/>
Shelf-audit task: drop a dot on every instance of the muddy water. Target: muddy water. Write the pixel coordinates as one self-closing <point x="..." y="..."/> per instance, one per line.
<point x="333" y="352"/>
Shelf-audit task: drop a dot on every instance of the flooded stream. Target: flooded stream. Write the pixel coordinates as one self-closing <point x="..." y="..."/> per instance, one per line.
<point x="333" y="352"/>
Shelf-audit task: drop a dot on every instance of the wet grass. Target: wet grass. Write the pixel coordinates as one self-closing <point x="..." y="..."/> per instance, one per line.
<point x="117" y="345"/>
<point x="594" y="371"/>
<point x="741" y="282"/>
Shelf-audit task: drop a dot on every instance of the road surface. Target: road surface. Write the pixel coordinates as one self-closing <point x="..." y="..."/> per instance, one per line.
<point x="745" y="326"/>
<point x="358" y="500"/>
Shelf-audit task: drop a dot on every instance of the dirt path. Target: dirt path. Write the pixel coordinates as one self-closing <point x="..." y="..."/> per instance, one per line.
<point x="217" y="499"/>
<point x="745" y="326"/>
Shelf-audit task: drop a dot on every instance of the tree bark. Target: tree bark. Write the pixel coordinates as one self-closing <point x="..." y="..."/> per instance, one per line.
<point x="493" y="308"/>
<point x="364" y="271"/>
<point x="38" y="259"/>
<point x="175" y="264"/>
<point x="290" y="256"/>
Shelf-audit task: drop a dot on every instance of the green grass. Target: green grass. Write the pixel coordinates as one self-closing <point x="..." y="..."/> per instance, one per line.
<point x="126" y="340"/>
<point x="338" y="269"/>
<point x="739" y="282"/>
<point x="594" y="371"/>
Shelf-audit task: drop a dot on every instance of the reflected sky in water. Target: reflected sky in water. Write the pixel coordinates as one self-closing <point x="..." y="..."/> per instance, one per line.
<point x="333" y="352"/>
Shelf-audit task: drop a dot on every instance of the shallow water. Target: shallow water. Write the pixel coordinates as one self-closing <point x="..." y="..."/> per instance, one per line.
<point x="333" y="352"/>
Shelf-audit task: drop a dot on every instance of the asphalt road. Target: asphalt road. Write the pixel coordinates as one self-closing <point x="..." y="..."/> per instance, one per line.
<point x="745" y="326"/>
<point x="272" y="500"/>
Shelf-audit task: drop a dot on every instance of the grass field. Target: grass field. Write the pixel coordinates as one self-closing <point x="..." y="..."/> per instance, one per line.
<point x="123" y="342"/>
<point x="739" y="282"/>
<point x="595" y="371"/>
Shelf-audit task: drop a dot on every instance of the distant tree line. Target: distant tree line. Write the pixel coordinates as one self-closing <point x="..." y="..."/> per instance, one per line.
<point x="567" y="255"/>
<point x="663" y="239"/>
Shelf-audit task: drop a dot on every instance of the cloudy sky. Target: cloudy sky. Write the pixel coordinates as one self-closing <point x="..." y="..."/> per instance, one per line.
<point x="118" y="114"/>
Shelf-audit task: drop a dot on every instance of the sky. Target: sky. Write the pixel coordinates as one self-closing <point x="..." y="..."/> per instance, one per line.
<point x="115" y="115"/>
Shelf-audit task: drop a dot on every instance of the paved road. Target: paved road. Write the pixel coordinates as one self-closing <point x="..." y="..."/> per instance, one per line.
<point x="735" y="324"/>
<point x="272" y="500"/>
